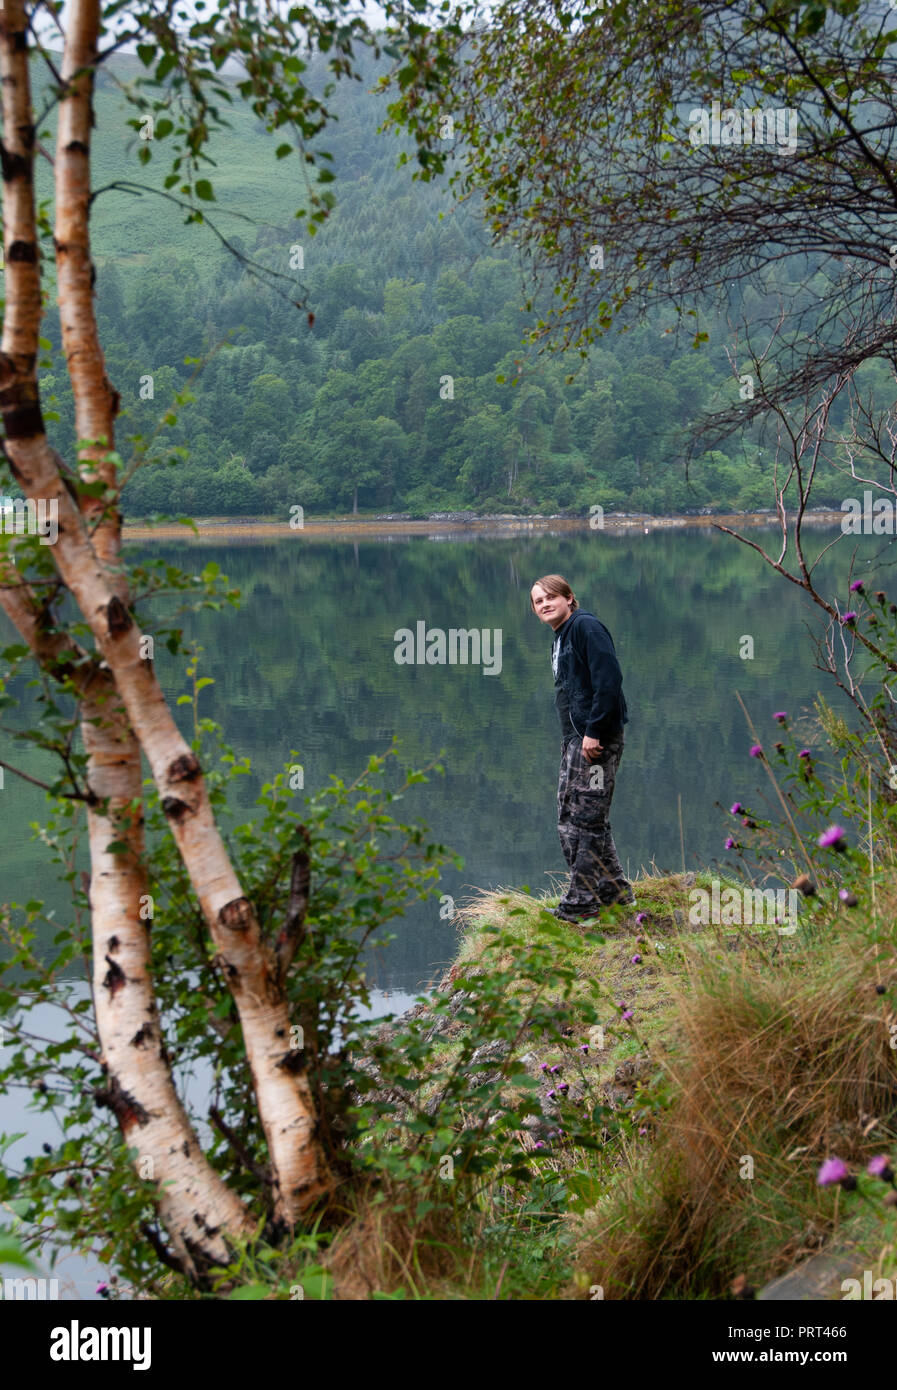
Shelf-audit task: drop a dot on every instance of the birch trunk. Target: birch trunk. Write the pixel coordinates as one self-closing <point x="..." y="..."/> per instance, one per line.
<point x="282" y="1091"/>
<point x="140" y="1089"/>
<point x="96" y="402"/>
<point x="195" y="1204"/>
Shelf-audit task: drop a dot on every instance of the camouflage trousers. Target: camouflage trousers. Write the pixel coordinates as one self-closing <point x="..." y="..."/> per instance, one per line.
<point x="585" y="791"/>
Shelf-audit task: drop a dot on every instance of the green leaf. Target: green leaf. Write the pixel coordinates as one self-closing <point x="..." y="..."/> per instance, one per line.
<point x="166" y="63"/>
<point x="282" y="151"/>
<point x="203" y="190"/>
<point x="11" y="1253"/>
<point x="146" y="52"/>
<point x="249" y="1291"/>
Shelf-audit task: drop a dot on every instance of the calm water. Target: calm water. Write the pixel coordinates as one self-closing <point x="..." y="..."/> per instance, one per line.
<point x="308" y="663"/>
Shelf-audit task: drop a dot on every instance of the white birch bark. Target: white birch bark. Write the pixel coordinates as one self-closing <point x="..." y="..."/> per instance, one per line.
<point x="282" y="1091"/>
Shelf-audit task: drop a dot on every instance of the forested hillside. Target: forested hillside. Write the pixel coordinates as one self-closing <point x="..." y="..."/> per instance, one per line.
<point x="402" y="394"/>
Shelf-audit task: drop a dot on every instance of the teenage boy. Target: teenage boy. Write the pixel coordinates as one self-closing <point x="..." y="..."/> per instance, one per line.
<point x="592" y="711"/>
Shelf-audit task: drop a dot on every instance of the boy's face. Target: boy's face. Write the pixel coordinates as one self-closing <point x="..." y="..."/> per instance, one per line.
<point x="551" y="608"/>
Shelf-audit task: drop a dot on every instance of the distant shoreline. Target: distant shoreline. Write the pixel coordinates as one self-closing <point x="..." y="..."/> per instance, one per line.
<point x="451" y="524"/>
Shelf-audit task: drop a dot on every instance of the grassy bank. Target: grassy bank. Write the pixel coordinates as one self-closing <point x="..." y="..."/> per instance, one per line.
<point x="726" y="1065"/>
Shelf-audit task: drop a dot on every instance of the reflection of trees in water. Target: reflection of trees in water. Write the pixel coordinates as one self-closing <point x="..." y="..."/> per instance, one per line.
<point x="307" y="663"/>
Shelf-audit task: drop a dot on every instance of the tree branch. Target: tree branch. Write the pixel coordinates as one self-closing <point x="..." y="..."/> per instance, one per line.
<point x="293" y="929"/>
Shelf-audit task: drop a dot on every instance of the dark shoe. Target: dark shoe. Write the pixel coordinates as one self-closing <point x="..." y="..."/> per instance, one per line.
<point x="575" y="920"/>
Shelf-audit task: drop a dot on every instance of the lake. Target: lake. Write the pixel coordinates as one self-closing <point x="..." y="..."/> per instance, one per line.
<point x="309" y="663"/>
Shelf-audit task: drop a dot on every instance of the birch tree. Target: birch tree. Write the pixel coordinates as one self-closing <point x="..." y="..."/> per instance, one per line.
<point x="123" y="711"/>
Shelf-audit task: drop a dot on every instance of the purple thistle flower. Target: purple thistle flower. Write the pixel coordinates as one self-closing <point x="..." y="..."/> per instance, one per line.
<point x="621" y="1005"/>
<point x="780" y="716"/>
<point x="833" y="838"/>
<point x="544" y="1066"/>
<point x="555" y="1069"/>
<point x="102" y="1290"/>
<point x="856" y="586"/>
<point x="627" y="1016"/>
<point x="879" y="1167"/>
<point x="736" y="808"/>
<point x="850" y="617"/>
<point x="539" y="1144"/>
<point x="584" y="1048"/>
<point x="643" y="1131"/>
<point x="730" y="843"/>
<point x="640" y="917"/>
<point x="756" y="751"/>
<point x="565" y="1088"/>
<point x="551" y="1095"/>
<point x="833" y="1170"/>
<point x="804" y="753"/>
<point x="636" y="960"/>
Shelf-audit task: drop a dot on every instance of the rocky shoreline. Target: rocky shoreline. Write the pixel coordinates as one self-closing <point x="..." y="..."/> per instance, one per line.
<point x="445" y="525"/>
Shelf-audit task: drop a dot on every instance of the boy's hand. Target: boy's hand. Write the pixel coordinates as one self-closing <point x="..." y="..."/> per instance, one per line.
<point x="591" y="747"/>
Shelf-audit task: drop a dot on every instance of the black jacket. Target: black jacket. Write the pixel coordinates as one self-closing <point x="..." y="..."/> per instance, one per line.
<point x="589" y="673"/>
